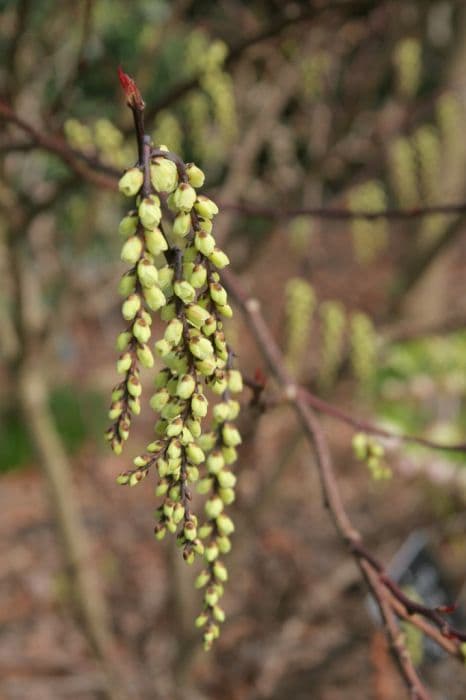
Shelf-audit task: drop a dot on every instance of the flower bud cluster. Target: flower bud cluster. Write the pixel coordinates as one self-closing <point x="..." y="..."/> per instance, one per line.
<point x="178" y="273"/>
<point x="333" y="319"/>
<point x="370" y="451"/>
<point x="363" y="340"/>
<point x="141" y="289"/>
<point x="300" y="302"/>
<point x="370" y="237"/>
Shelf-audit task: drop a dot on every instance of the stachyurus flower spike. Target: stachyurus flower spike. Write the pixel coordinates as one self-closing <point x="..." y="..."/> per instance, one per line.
<point x="174" y="270"/>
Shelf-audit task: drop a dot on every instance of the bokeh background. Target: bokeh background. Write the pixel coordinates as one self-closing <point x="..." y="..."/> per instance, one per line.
<point x="286" y="105"/>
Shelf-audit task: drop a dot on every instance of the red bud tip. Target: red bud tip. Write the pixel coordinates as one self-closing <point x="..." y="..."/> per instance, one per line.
<point x="133" y="96"/>
<point x="447" y="609"/>
<point x="259" y="377"/>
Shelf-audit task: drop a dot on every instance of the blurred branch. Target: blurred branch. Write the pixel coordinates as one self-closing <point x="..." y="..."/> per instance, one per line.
<point x="381" y="586"/>
<point x="235" y="52"/>
<point x="33" y="399"/>
<point x="367" y="427"/>
<point x="22" y="12"/>
<point x="106" y="176"/>
<point x="88" y="168"/>
<point x="344" y="214"/>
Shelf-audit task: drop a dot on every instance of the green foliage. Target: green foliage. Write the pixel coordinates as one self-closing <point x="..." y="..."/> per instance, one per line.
<point x="79" y="416"/>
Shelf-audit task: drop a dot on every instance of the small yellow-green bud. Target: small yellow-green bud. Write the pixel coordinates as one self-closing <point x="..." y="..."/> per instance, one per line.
<point x="168" y="508"/>
<point x="207" y="441"/>
<point x="211" y="596"/>
<point x="141" y="330"/>
<point x="131" y="182"/>
<point x="220" y="571"/>
<point x="186" y="386"/>
<point x="226" y="479"/>
<point x="155" y="446"/>
<point x="230" y="454"/>
<point x="211" y="552"/>
<point x="218" y="613"/>
<point x="235" y="381"/>
<point x="202" y="579"/>
<point x="182" y="224"/>
<point x="221" y="412"/>
<point x="128" y="225"/>
<point x="132" y="249"/>
<point x="116" y="446"/>
<point x="163" y="175"/>
<point x="225" y="524"/>
<point x="204" y="486"/>
<point x="219" y="382"/>
<point x="230" y="435"/>
<point x="215" y="462"/>
<point x="174" y="449"/>
<point x="131" y="306"/>
<point x="204" y="242"/>
<point x="134" y="386"/>
<point x="206" y="530"/>
<point x="149" y="212"/>
<point x="184" y="291"/>
<point x="127" y="284"/>
<point x="194" y="426"/>
<point x="117" y="394"/>
<point x="155" y="241"/>
<point x="234" y="409"/>
<point x="192" y="474"/>
<point x="175" y="427"/>
<point x="227" y="496"/>
<point x="210" y="326"/>
<point x="124" y="363"/>
<point x="205" y="207"/>
<point x="224" y="544"/>
<point x="213" y="507"/>
<point x="201" y="620"/>
<point x="162" y="467"/>
<point x="204" y="224"/>
<point x="147" y="273"/>
<point x="207" y="366"/>
<point x="168" y="312"/>
<point x="201" y="347"/>
<point x="135" y="478"/>
<point x="197" y="315"/>
<point x="123" y="341"/>
<point x="184" y="197"/>
<point x="195" y="175"/>
<point x="145" y="356"/>
<point x="160" y="532"/>
<point x="178" y="513"/>
<point x="123" y="430"/>
<point x="225" y="310"/>
<point x="219" y="258"/>
<point x="190" y="531"/>
<point x="194" y="453"/>
<point x="174" y="332"/>
<point x="134" y="406"/>
<point x="122" y="479"/>
<point x="161" y="488"/>
<point x="198" y="276"/>
<point x="218" y="293"/>
<point x="115" y="411"/>
<point x="154" y="297"/>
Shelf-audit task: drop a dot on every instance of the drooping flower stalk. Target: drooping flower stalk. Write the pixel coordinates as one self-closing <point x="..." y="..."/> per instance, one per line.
<point x="175" y="269"/>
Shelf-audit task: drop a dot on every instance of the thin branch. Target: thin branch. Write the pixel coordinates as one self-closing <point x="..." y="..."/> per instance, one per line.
<point x="368" y="427"/>
<point x="372" y="570"/>
<point x="276" y="27"/>
<point x="343" y="214"/>
<point x="83" y="166"/>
